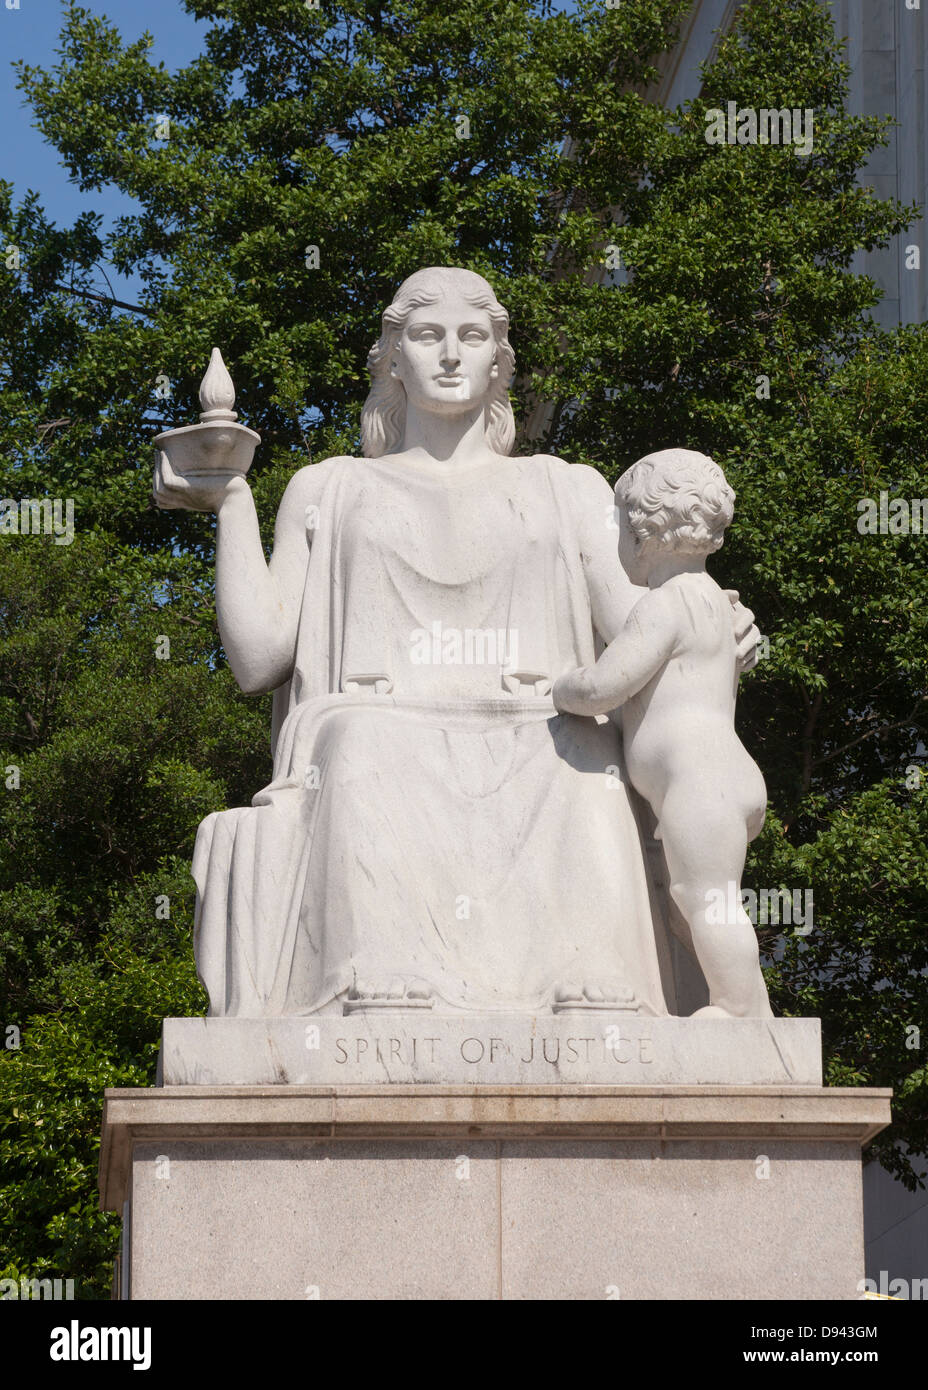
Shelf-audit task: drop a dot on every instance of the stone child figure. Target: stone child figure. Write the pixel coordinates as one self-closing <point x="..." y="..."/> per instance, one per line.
<point x="673" y="670"/>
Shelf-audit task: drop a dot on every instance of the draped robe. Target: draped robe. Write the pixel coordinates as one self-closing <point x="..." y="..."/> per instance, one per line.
<point x="430" y="815"/>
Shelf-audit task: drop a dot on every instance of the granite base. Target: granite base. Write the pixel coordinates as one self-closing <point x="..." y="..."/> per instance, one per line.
<point x="489" y="1192"/>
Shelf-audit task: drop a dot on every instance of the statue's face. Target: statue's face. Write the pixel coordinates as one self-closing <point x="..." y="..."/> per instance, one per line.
<point x="445" y="356"/>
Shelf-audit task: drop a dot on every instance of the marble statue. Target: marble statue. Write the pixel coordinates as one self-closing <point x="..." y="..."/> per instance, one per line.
<point x="673" y="670"/>
<point x="436" y="835"/>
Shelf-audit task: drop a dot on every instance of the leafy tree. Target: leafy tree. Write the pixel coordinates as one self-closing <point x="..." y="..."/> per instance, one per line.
<point x="517" y="141"/>
<point x="112" y="754"/>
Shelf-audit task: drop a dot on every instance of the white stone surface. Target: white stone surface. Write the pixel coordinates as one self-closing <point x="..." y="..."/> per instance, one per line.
<point x="476" y="1220"/>
<point x="673" y="670"/>
<point x="595" y="1048"/>
<point x="435" y="833"/>
<point x="216" y="447"/>
<point x="490" y="1192"/>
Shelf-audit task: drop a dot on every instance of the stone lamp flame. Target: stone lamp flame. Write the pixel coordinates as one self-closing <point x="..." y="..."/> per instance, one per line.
<point x="217" y="393"/>
<point x="219" y="444"/>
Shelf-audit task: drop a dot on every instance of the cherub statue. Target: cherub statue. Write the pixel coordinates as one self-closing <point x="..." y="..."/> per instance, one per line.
<point x="673" y="670"/>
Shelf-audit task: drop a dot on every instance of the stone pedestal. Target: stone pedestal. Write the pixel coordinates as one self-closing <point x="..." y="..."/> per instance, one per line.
<point x="474" y="1191"/>
<point x="588" y="1046"/>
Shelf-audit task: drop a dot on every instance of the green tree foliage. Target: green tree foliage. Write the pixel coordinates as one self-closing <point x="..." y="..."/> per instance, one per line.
<point x="111" y="755"/>
<point x="517" y="141"/>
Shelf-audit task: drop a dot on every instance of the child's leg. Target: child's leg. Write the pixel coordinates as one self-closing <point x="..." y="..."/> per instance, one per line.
<point x="705" y="852"/>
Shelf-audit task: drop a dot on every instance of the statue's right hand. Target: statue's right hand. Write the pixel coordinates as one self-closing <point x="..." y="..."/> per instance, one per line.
<point x="173" y="491"/>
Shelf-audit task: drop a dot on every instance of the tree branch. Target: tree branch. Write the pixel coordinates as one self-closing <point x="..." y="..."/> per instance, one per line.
<point x="878" y="729"/>
<point x="807" y="762"/>
<point x="104" y="299"/>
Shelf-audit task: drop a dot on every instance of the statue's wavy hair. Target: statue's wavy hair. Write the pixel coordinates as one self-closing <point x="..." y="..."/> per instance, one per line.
<point x="679" y="499"/>
<point x="383" y="417"/>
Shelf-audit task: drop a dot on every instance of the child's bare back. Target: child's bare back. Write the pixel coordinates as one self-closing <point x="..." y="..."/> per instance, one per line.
<point x="680" y="725"/>
<point x="673" y="672"/>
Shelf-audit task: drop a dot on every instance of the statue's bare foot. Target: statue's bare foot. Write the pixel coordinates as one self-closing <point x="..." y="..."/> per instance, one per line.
<point x="763" y="1010"/>
<point x="388" y="994"/>
<point x="604" y="996"/>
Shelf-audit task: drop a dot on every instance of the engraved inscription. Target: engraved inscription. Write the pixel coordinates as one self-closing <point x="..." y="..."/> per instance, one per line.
<point x="544" y="1051"/>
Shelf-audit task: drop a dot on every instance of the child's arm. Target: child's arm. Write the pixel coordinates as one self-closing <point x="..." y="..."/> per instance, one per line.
<point x="644" y="645"/>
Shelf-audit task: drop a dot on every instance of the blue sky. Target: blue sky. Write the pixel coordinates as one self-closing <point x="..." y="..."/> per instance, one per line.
<point x="31" y="33"/>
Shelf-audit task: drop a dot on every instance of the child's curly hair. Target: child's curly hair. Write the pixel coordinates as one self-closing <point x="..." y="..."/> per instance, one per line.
<point x="677" y="499"/>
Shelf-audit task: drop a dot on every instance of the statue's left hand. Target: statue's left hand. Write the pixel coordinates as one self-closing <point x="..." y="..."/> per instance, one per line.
<point x="747" y="634"/>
